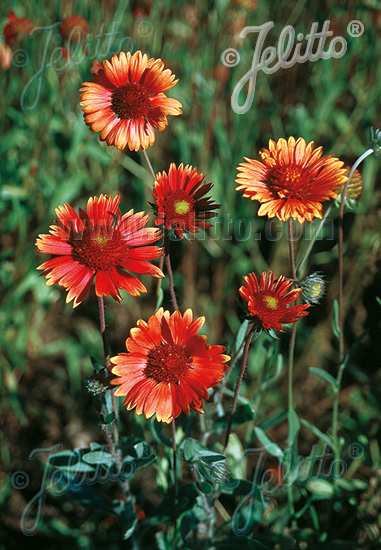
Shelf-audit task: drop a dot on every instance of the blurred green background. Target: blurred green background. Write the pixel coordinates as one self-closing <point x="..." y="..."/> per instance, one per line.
<point x="49" y="156"/>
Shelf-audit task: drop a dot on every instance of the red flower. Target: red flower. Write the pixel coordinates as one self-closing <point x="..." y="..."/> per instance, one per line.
<point x="180" y="200"/>
<point x="292" y="180"/>
<point x="102" y="244"/>
<point x="269" y="303"/>
<point x="126" y="100"/>
<point x="74" y="28"/>
<point x="17" y="28"/>
<point x="169" y="368"/>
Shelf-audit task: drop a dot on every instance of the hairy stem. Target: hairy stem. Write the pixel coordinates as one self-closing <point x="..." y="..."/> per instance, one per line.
<point x="291" y="354"/>
<point x="170" y="275"/>
<point x="106" y="353"/>
<point x="239" y="382"/>
<point x="102" y="325"/>
<point x="220" y="393"/>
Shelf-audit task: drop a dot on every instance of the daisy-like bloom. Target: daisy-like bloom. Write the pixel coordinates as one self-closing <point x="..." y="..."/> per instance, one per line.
<point x="268" y="302"/>
<point x="180" y="200"/>
<point x="292" y="180"/>
<point x="168" y="367"/>
<point x="126" y="100"/>
<point x="16" y="28"/>
<point x="99" y="243"/>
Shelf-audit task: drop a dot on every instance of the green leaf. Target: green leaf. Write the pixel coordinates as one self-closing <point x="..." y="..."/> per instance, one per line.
<point x="156" y="429"/>
<point x="160" y="298"/>
<point x="293" y="426"/>
<point x="273" y="420"/>
<point x="352" y="484"/>
<point x="206" y="487"/>
<point x="324" y="375"/>
<point x="94" y="446"/>
<point x="194" y="450"/>
<point x="335" y="319"/>
<point x="278" y="370"/>
<point x="69" y="461"/>
<point x="138" y="453"/>
<point x="324" y="437"/>
<point x="190" y="519"/>
<point x="127" y="517"/>
<point x="320" y="488"/>
<point x="241" y="335"/>
<point x="272" y="448"/>
<point x="98" y="457"/>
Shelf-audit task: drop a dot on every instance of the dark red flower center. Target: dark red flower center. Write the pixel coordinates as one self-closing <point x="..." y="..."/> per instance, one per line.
<point x="179" y="208"/>
<point x="130" y="101"/>
<point x="289" y="182"/>
<point x="167" y="363"/>
<point x="99" y="249"/>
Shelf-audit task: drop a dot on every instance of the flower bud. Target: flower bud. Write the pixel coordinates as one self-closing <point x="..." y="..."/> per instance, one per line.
<point x="96" y="384"/>
<point x="214" y="472"/>
<point x="375" y="138"/>
<point x="354" y="190"/>
<point x="355" y="186"/>
<point x="313" y="287"/>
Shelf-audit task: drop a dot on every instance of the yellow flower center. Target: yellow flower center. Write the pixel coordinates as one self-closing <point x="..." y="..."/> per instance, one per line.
<point x="101" y="240"/>
<point x="271" y="302"/>
<point x="182" y="207"/>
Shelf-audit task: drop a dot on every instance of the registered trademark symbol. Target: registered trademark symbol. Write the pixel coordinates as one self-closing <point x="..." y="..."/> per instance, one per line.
<point x="355" y="28"/>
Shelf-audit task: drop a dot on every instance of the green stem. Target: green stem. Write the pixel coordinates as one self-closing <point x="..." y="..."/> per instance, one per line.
<point x="257" y="402"/>
<point x="106" y="352"/>
<point x="158" y="286"/>
<point x="303" y="261"/>
<point x="341" y="238"/>
<point x="239" y="382"/>
<point x="342" y="362"/>
<point x="291" y="353"/>
<point x="149" y="164"/>
<point x="335" y="424"/>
